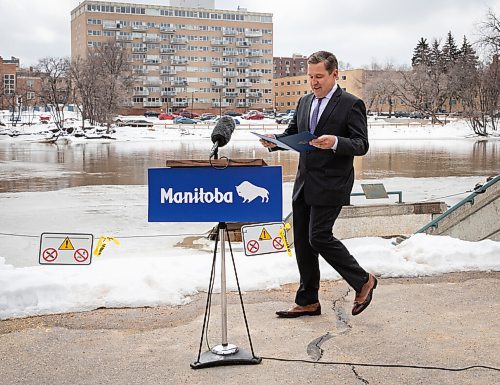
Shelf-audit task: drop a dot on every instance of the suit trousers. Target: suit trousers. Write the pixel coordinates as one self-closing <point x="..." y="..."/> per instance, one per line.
<point x="312" y="232"/>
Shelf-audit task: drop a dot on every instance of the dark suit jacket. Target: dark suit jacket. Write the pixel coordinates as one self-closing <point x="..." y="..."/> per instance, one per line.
<point x="325" y="176"/>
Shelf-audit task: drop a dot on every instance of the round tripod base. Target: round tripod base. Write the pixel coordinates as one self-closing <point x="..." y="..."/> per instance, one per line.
<point x="224" y="350"/>
<point x="210" y="359"/>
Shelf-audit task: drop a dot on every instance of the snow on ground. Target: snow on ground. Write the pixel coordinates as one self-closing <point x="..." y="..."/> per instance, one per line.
<point x="147" y="268"/>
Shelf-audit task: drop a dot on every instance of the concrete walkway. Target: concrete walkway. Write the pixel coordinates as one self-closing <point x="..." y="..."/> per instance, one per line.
<point x="450" y="321"/>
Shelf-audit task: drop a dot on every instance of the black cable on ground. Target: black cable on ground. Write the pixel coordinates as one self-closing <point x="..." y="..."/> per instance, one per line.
<point x="403" y="366"/>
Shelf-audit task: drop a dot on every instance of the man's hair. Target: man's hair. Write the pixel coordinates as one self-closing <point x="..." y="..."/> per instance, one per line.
<point x="326" y="57"/>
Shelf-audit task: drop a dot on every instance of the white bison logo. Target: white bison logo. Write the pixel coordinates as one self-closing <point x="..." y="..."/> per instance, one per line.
<point x="249" y="192"/>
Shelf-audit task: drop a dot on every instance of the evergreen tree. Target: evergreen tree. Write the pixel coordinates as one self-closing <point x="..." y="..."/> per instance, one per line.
<point x="467" y="54"/>
<point x="435" y="55"/>
<point x="421" y="53"/>
<point x="450" y="52"/>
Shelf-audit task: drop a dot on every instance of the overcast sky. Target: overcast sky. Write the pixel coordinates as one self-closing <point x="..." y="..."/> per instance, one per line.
<point x="358" y="32"/>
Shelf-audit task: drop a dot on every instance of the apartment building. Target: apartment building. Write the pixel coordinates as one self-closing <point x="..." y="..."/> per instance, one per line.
<point x="289" y="66"/>
<point x="288" y="89"/>
<point x="20" y="87"/>
<point x="203" y="59"/>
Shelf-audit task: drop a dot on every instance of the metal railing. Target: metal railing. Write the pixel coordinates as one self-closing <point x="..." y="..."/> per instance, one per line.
<point x="470" y="199"/>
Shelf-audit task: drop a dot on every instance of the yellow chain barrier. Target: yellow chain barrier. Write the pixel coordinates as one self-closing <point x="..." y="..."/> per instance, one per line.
<point x="101" y="244"/>
<point x="282" y="233"/>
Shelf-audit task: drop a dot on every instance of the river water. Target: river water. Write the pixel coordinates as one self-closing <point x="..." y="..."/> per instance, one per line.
<point x="28" y="166"/>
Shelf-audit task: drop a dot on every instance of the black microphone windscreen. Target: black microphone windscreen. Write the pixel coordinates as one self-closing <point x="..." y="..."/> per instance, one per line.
<point x="223" y="130"/>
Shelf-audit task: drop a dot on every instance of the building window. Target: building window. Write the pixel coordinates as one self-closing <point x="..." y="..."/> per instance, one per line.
<point x="9" y="84"/>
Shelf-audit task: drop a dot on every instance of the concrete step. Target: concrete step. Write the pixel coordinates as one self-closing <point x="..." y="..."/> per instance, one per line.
<point x="475" y="218"/>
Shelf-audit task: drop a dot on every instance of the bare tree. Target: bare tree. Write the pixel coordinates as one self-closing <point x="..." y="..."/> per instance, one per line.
<point x="481" y="99"/>
<point x="56" y="90"/>
<point x="380" y="88"/>
<point x="102" y="81"/>
<point x="423" y="89"/>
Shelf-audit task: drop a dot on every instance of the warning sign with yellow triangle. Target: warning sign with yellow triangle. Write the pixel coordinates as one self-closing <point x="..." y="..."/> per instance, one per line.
<point x="264" y="235"/>
<point x="66" y="245"/>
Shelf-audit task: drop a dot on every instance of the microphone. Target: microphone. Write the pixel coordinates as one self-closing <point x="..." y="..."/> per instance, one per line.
<point x="221" y="134"/>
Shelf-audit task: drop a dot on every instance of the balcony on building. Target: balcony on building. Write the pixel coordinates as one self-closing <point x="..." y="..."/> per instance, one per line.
<point x="218" y="84"/>
<point x="253" y="74"/>
<point x="243" y="104"/>
<point x="111" y="25"/>
<point x="167" y="50"/>
<point x="168" y="93"/>
<point x="125" y="37"/>
<point x="219" y="104"/>
<point x="243" y="44"/>
<point x="179" y="61"/>
<point x="151" y="60"/>
<point x="166" y="80"/>
<point x="230" y="73"/>
<point x="244" y="84"/>
<point x="180" y="82"/>
<point x="139" y="49"/>
<point x="219" y="42"/>
<point x="229" y="31"/>
<point x="141" y="92"/>
<point x="250" y="33"/>
<point x="254" y="94"/>
<point x="243" y="64"/>
<point x="254" y="53"/>
<point x="230" y="52"/>
<point x="151" y="39"/>
<point x="231" y="94"/>
<point x="219" y="63"/>
<point x="139" y="27"/>
<point x="168" y="71"/>
<point x="151" y="104"/>
<point x="179" y="40"/>
<point x="140" y="71"/>
<point x="183" y="104"/>
<point x="167" y="29"/>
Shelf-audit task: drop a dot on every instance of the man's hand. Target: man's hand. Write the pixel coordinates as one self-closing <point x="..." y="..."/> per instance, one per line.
<point x="324" y="142"/>
<point x="266" y="143"/>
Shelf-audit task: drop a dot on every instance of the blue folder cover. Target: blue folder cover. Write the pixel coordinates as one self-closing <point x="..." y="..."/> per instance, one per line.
<point x="296" y="142"/>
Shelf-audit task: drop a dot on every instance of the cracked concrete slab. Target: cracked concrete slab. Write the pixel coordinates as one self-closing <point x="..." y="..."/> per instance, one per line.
<point x="446" y="321"/>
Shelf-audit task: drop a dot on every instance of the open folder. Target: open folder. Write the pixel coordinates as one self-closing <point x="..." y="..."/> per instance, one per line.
<point x="296" y="142"/>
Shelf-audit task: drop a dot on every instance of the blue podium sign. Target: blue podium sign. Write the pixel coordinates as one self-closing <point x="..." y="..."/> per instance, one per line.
<point x="206" y="194"/>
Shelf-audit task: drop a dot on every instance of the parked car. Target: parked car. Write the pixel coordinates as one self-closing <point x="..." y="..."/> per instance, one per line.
<point x="232" y="113"/>
<point x="207" y="116"/>
<point x="216" y="119"/>
<point x="284" y="119"/>
<point x="258" y="116"/>
<point x="189" y="114"/>
<point x="133" y="122"/>
<point x="151" y="114"/>
<point x="165" y="116"/>
<point x="184" y="120"/>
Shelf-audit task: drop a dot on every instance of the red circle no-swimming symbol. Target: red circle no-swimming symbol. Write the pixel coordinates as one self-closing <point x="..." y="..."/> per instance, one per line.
<point x="81" y="255"/>
<point x="278" y="243"/>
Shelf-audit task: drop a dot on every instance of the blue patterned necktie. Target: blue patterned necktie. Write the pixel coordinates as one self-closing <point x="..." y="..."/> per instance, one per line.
<point x="314" y="118"/>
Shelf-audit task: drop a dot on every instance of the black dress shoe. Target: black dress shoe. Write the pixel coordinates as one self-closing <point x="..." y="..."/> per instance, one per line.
<point x="364" y="297"/>
<point x="299" y="311"/>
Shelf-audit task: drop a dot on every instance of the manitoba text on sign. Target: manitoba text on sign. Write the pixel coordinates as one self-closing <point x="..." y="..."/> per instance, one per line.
<point x="65" y="249"/>
<point x="206" y="194"/>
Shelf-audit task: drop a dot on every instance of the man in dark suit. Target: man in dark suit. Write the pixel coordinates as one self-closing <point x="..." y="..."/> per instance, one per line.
<point x="323" y="184"/>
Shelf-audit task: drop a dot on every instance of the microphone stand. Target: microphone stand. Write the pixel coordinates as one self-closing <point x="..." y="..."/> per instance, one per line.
<point x="225" y="353"/>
